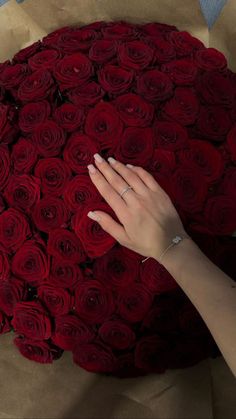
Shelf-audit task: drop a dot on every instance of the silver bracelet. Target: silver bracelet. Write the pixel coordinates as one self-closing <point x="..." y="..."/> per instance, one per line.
<point x="175" y="240"/>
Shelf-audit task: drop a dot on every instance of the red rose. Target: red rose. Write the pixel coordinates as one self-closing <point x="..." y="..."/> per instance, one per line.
<point x="116" y="269"/>
<point x="27" y="52"/>
<point x="79" y="152"/>
<point x="45" y="59"/>
<point x="65" y="245"/>
<point x="54" y="175"/>
<point x="38" y="351"/>
<point x="37" y="86"/>
<point x="155" y="277"/>
<point x="163" y="162"/>
<point x="135" y="55"/>
<point x="50" y="213"/>
<point x="23" y="192"/>
<point x="11" y="292"/>
<point x="213" y="123"/>
<point x="219" y="214"/>
<point x="119" y="30"/>
<point x="5" y="325"/>
<point x="210" y="59"/>
<point x="117" y="334"/>
<point x="33" y="114"/>
<point x="231" y="142"/>
<point x="164" y="50"/>
<point x="183" y="107"/>
<point x="94" y="357"/>
<point x="71" y="331"/>
<point x="184" y="43"/>
<point x="115" y="80"/>
<point x="8" y="128"/>
<point x="94" y="303"/>
<point x="86" y="95"/>
<point x="216" y="89"/>
<point x="134" y="111"/>
<point x="76" y="40"/>
<point x="151" y="354"/>
<point x="162" y="318"/>
<point x="31" y="263"/>
<point x="48" y="138"/>
<point x="157" y="29"/>
<point x="102" y="50"/>
<point x="73" y="70"/>
<point x="64" y="274"/>
<point x="182" y="72"/>
<point x="95" y="240"/>
<point x="52" y="38"/>
<point x="80" y="192"/>
<point x="4" y="266"/>
<point x="133" y="302"/>
<point x="204" y="157"/>
<point x="104" y="125"/>
<point x="31" y="320"/>
<point x="136" y="146"/>
<point x="14" y="230"/>
<point x="4" y="166"/>
<point x="24" y="156"/>
<point x="170" y="135"/>
<point x="56" y="300"/>
<point x="12" y="76"/>
<point x="154" y="86"/>
<point x="69" y="117"/>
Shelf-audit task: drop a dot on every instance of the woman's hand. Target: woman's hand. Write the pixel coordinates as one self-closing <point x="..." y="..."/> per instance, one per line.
<point x="149" y="221"/>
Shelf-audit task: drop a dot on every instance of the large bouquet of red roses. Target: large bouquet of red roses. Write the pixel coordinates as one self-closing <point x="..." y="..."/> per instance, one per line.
<point x="149" y="95"/>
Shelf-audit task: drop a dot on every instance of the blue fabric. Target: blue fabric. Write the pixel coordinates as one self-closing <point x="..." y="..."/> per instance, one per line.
<point x="210" y="8"/>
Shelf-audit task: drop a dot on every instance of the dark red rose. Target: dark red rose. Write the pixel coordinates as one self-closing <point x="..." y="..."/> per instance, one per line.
<point x="156" y="29"/>
<point x="163" y="162"/>
<point x="64" y="274"/>
<point x="31" y="263"/>
<point x="37" y="86"/>
<point x="24" y="156"/>
<point x="14" y="230"/>
<point x="71" y="331"/>
<point x="94" y="357"/>
<point x="104" y="125"/>
<point x="213" y="123"/>
<point x="134" y="111"/>
<point x="205" y="158"/>
<point x="183" y="107"/>
<point x="65" y="245"/>
<point x="45" y="59"/>
<point x="73" y="70"/>
<point x="86" y="95"/>
<point x="8" y="128"/>
<point x="135" y="55"/>
<point x="170" y="135"/>
<point x="50" y="213"/>
<point x="210" y="59"/>
<point x="152" y="353"/>
<point x="94" y="303"/>
<point x="102" y="50"/>
<point x="80" y="192"/>
<point x="228" y="183"/>
<point x="164" y="50"/>
<point x="216" y="89"/>
<point x="33" y="114"/>
<point x="31" y="320"/>
<point x="3" y="115"/>
<point x="116" y="269"/>
<point x="2" y="204"/>
<point x="23" y="192"/>
<point x="119" y="31"/>
<point x="79" y="152"/>
<point x="48" y="138"/>
<point x="133" y="302"/>
<point x="219" y="214"/>
<point x="76" y="40"/>
<point x="52" y="38"/>
<point x="136" y="146"/>
<point x="58" y="301"/>
<point x="231" y="142"/>
<point x="12" y="76"/>
<point x="4" y="266"/>
<point x="154" y="86"/>
<point x="11" y="292"/>
<point x="162" y="318"/>
<point x="69" y="117"/>
<point x="114" y="79"/>
<point x="38" y="351"/>
<point x="5" y="325"/>
<point x="184" y="43"/>
<point x="54" y="175"/>
<point x="182" y="72"/>
<point x="156" y="278"/>
<point x="27" y="52"/>
<point x="4" y="166"/>
<point x="117" y="334"/>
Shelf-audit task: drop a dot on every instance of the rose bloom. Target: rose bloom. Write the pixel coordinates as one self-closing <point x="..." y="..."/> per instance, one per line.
<point x="70" y="331"/>
<point x="31" y="320"/>
<point x="14" y="230"/>
<point x="39" y="351"/>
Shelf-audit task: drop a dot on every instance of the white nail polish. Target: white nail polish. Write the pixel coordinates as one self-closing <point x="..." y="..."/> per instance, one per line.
<point x="111" y="160"/>
<point x="93" y="216"/>
<point x="129" y="166"/>
<point x="98" y="158"/>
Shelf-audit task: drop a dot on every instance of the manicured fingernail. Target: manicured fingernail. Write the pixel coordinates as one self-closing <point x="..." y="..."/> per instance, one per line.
<point x="130" y="166"/>
<point x="93" y="216"/>
<point x="111" y="160"/>
<point x="98" y="158"/>
<point x="91" y="168"/>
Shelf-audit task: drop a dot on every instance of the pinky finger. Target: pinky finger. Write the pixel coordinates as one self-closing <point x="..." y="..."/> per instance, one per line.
<point x="110" y="226"/>
<point x="146" y="177"/>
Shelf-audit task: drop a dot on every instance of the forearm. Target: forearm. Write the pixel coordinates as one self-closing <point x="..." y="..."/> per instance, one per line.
<point x="211" y="291"/>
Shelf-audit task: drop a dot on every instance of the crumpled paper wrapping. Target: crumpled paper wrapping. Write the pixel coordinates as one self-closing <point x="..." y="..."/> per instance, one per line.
<point x="62" y="390"/>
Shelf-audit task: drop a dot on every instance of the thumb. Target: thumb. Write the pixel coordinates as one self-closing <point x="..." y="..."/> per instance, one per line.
<point x="109" y="225"/>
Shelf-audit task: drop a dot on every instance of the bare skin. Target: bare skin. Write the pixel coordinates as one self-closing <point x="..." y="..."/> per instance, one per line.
<point x="148" y="223"/>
